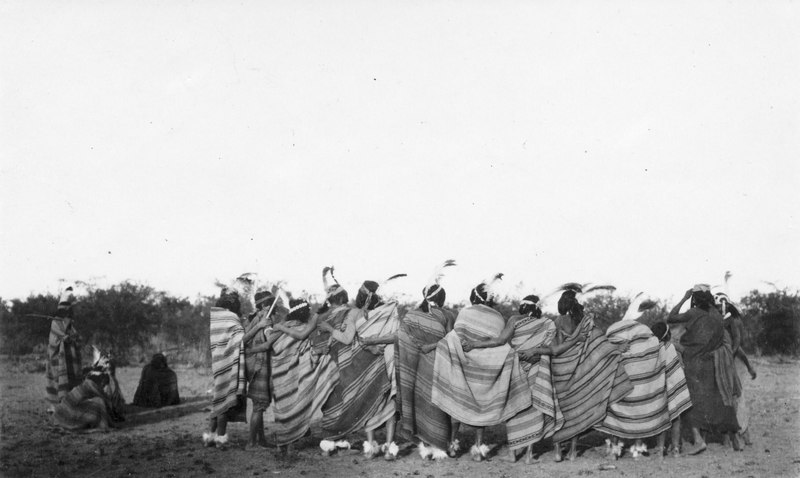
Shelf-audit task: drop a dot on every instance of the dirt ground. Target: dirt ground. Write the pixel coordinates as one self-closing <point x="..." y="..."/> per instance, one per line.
<point x="167" y="442"/>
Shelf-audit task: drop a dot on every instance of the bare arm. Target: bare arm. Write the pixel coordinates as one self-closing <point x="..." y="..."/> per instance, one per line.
<point x="254" y="327"/>
<point x="532" y="353"/>
<point x="675" y="317"/>
<point x="345" y="336"/>
<point x="272" y="336"/>
<point x="301" y="333"/>
<point x="503" y="338"/>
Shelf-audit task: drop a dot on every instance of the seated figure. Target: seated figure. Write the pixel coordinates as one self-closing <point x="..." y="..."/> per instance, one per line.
<point x="158" y="386"/>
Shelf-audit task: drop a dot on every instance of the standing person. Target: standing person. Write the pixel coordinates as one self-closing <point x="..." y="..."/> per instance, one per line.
<point x="532" y="336"/>
<point x="732" y="319"/>
<point x="229" y="402"/>
<point x="588" y="376"/>
<point x="659" y="395"/>
<point x="301" y="384"/>
<point x="420" y="330"/>
<point x="676" y="384"/>
<point x="363" y="387"/>
<point x="256" y="342"/>
<point x="377" y="324"/>
<point x="479" y="387"/>
<point x="708" y="365"/>
<point x="63" y="370"/>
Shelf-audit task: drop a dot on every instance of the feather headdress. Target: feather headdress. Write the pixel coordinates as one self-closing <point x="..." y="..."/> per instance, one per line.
<point x="432" y="287"/>
<point x="582" y="290"/>
<point x="640" y="303"/>
<point x="101" y="363"/>
<point x="331" y="289"/>
<point x="66" y="298"/>
<point x="487" y="290"/>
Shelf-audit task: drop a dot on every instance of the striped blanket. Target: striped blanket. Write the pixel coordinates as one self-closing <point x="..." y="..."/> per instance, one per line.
<point x="227" y="364"/>
<point x="588" y="377"/>
<point x="482" y="387"/>
<point x="300" y="388"/>
<point x="659" y="387"/>
<point x="543" y="417"/>
<point x="85" y="406"/>
<point x="363" y="387"/>
<point x="382" y="320"/>
<point x="63" y="370"/>
<point x="415" y="370"/>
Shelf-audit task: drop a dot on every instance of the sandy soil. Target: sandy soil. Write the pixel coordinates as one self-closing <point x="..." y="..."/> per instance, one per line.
<point x="167" y="442"/>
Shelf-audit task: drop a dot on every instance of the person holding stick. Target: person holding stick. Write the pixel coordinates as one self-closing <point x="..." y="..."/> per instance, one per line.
<point x="63" y="371"/>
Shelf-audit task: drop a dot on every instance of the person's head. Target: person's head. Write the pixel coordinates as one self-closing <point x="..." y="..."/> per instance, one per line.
<point x="299" y="310"/>
<point x="480" y="295"/>
<point x="661" y="331"/>
<point x="702" y="299"/>
<point x="159" y="361"/>
<point x="568" y="304"/>
<point x="337" y="295"/>
<point x="530" y="306"/>
<point x="264" y="299"/>
<point x="368" y="295"/>
<point x="229" y="299"/>
<point x="433" y="294"/>
<point x="724" y="305"/>
<point x="64" y="312"/>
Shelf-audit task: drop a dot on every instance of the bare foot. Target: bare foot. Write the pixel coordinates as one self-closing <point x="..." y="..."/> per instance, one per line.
<point x="753" y="375"/>
<point x="511" y="457"/>
<point x="696" y="449"/>
<point x="572" y="455"/>
<point x="737" y="445"/>
<point x="530" y="460"/>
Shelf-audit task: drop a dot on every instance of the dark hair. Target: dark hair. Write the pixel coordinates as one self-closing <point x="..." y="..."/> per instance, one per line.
<point x="479" y="295"/>
<point x="702" y="299"/>
<point x="229" y="299"/>
<point x="532" y="309"/>
<point x="435" y="294"/>
<point x="302" y="313"/>
<point x="159" y="361"/>
<point x="339" y="297"/>
<point x="568" y="303"/>
<point x="264" y="299"/>
<point x="368" y="289"/>
<point x="661" y="331"/>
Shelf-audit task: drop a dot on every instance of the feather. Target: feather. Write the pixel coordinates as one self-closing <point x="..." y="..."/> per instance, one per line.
<point x="491" y="285"/>
<point x="594" y="288"/>
<point x="638" y="306"/>
<point x="438" y="272"/>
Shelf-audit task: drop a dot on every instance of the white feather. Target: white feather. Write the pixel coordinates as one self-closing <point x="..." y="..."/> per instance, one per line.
<point x="327" y="446"/>
<point x="633" y="311"/>
<point x="438" y="272"/>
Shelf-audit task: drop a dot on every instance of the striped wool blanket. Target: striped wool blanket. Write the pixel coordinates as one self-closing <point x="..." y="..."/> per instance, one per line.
<point x="227" y="363"/>
<point x="543" y="418"/>
<point x="362" y="391"/>
<point x="382" y="320"/>
<point x="647" y="410"/>
<point x="85" y="406"/>
<point x="63" y="367"/>
<point x="300" y="387"/>
<point x="420" y="418"/>
<point x="588" y="377"/>
<point x="482" y="387"/>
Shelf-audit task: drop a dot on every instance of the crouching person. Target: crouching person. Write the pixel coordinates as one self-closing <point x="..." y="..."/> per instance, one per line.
<point x="87" y="406"/>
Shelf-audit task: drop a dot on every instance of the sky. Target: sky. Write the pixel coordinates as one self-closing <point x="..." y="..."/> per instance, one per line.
<point x="649" y="145"/>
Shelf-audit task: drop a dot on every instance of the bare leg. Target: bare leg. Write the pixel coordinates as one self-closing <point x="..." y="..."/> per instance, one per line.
<point x="478" y="442"/>
<point x="699" y="443"/>
<point x="659" y="451"/>
<point x="676" y="437"/>
<point x="735" y="440"/>
<point x="389" y="454"/>
<point x="256" y="430"/>
<point x="452" y="449"/>
<point x="557" y="450"/>
<point x="512" y="455"/>
<point x="573" y="449"/>
<point x="746" y="438"/>
<point x="529" y="456"/>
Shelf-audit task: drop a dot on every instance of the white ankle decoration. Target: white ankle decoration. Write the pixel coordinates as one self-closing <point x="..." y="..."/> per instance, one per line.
<point x="424" y="452"/>
<point x="342" y="444"/>
<point x="209" y="438"/>
<point x="437" y="453"/>
<point x="455" y="446"/>
<point x="327" y="446"/>
<point x="371" y="448"/>
<point x="221" y="439"/>
<point x="479" y="450"/>
<point x="637" y="450"/>
<point x="392" y="448"/>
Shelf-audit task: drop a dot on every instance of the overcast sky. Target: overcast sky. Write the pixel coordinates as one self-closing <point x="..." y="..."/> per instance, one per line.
<point x="651" y="145"/>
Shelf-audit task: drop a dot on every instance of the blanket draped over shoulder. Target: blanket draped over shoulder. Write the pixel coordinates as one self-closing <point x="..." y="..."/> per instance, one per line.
<point x="659" y="391"/>
<point x="300" y="385"/>
<point x="543" y="417"/>
<point x="482" y="387"/>
<point x="710" y="375"/>
<point x="158" y="385"/>
<point x="258" y="367"/>
<point x="227" y="365"/>
<point x="63" y="360"/>
<point x="382" y="320"/>
<point x="363" y="387"/>
<point x="85" y="406"/>
<point x="588" y="377"/>
<point x="415" y="369"/>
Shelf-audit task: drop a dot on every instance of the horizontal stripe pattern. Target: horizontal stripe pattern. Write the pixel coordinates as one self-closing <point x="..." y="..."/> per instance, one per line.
<point x="300" y="387"/>
<point x="645" y="412"/>
<point x="587" y="377"/>
<point x="227" y="361"/>
<point x="543" y="418"/>
<point x="380" y="321"/>
<point x="85" y="406"/>
<point x="420" y="418"/>
<point x="482" y="387"/>
<point x="63" y="366"/>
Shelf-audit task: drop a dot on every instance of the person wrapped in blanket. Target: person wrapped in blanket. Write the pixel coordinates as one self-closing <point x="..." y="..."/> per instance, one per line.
<point x="531" y="336"/>
<point x="63" y="367"/>
<point x="708" y="364"/>
<point x="659" y="395"/>
<point x="377" y="323"/>
<point x="258" y="339"/>
<point x="301" y="382"/>
<point x="420" y="330"/>
<point x="88" y="406"/>
<point x="483" y="386"/>
<point x="363" y="389"/>
<point x="588" y="376"/>
<point x="158" y="385"/>
<point x="228" y="402"/>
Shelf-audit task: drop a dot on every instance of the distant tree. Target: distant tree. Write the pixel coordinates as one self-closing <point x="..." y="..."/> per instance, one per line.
<point x="772" y="322"/>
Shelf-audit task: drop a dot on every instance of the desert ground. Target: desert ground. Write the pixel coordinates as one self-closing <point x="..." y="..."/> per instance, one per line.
<point x="166" y="442"/>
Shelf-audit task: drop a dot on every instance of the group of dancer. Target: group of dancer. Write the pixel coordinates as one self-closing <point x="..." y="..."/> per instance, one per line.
<point x="364" y="367"/>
